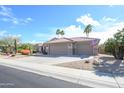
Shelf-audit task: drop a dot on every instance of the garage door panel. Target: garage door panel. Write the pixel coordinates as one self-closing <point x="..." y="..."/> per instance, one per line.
<point x="58" y="49"/>
<point x="84" y="49"/>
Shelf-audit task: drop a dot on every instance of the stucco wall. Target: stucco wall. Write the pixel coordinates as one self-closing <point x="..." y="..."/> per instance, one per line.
<point x="95" y="48"/>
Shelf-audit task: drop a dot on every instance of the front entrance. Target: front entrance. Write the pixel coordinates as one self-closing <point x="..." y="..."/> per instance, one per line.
<point x="44" y="50"/>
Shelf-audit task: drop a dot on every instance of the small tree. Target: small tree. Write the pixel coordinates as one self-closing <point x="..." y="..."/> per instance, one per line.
<point x="101" y="48"/>
<point x="10" y="44"/>
<point x="110" y="47"/>
<point x="115" y="45"/>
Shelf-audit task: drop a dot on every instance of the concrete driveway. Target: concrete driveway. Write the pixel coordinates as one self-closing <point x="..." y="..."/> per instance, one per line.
<point x="48" y="60"/>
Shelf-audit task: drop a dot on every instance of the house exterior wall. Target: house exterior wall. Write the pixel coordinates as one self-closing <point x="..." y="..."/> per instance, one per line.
<point x="95" y="50"/>
<point x="60" y="49"/>
<point x="39" y="49"/>
<point x="77" y="48"/>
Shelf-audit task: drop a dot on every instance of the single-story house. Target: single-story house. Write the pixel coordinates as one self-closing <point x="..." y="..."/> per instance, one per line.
<point x="71" y="46"/>
<point x="38" y="47"/>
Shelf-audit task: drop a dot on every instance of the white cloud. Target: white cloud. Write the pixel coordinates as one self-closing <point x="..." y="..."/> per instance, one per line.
<point x="20" y="21"/>
<point x="109" y="19"/>
<point x="8" y="16"/>
<point x="4" y="33"/>
<point x="76" y="31"/>
<point x="5" y="11"/>
<point x="87" y="19"/>
<point x="29" y="19"/>
<point x="17" y="21"/>
<point x="108" y="33"/>
<point x="107" y="29"/>
<point x="73" y="30"/>
<point x="33" y="42"/>
<point x="14" y="20"/>
<point x="14" y="35"/>
<point x="103" y="29"/>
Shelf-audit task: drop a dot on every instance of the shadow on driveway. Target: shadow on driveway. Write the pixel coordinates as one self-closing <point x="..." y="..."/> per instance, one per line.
<point x="55" y="56"/>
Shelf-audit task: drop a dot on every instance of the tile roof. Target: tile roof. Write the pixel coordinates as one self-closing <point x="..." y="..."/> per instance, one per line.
<point x="73" y="39"/>
<point x="77" y="39"/>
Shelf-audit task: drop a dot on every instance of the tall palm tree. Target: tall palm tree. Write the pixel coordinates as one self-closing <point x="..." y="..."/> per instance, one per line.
<point x="88" y="29"/>
<point x="58" y="32"/>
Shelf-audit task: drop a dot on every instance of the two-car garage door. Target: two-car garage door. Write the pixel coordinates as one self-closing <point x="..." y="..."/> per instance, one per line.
<point x="63" y="49"/>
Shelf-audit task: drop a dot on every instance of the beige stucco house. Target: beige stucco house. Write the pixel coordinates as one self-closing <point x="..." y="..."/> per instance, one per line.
<point x="71" y="46"/>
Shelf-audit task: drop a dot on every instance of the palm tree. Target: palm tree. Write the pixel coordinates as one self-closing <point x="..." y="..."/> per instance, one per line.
<point x="88" y="29"/>
<point x="62" y="33"/>
<point x="58" y="32"/>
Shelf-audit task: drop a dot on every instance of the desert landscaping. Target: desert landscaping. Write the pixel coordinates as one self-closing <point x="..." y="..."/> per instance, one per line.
<point x="102" y="63"/>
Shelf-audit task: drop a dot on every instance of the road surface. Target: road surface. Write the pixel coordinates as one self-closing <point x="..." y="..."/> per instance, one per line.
<point x="13" y="78"/>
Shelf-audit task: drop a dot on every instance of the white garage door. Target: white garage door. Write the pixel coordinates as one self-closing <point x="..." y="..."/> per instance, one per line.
<point x="59" y="49"/>
<point x="83" y="49"/>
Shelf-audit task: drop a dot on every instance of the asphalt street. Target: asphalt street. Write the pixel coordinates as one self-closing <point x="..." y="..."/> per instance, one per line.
<point x="14" y="78"/>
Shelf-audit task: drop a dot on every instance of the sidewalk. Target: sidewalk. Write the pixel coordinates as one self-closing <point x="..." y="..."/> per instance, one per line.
<point x="83" y="77"/>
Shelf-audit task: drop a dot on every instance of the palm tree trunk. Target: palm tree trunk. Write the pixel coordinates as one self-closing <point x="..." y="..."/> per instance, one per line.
<point x="87" y="34"/>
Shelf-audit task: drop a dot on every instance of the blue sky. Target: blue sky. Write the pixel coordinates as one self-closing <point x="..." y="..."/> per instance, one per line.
<point x="39" y="23"/>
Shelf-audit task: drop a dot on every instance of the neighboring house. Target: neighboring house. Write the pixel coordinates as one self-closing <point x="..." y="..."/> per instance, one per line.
<point x="38" y="47"/>
<point x="72" y="46"/>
